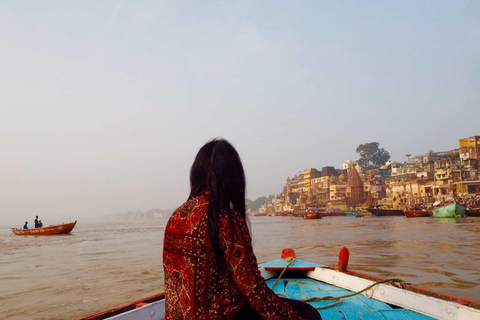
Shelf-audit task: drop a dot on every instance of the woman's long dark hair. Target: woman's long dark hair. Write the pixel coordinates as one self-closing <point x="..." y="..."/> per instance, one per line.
<point x="218" y="169"/>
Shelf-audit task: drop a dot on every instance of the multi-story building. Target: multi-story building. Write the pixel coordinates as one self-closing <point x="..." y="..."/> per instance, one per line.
<point x="294" y="185"/>
<point x="468" y="173"/>
<point x="321" y="188"/>
<point x="307" y="175"/>
<point x="413" y="181"/>
<point x="377" y="181"/>
<point x="338" y="191"/>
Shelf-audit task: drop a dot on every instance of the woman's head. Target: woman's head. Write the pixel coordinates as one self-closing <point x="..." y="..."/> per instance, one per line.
<point x="218" y="169"/>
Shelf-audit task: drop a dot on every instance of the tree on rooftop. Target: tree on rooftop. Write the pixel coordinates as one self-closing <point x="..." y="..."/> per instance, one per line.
<point x="371" y="156"/>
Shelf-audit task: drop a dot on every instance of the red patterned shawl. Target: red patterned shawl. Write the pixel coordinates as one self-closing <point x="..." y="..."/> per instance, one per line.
<point x="195" y="287"/>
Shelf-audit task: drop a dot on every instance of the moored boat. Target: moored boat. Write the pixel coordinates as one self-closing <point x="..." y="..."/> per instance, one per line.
<point x="385" y="212"/>
<point x="356" y="295"/>
<point x="474" y="212"/>
<point x="333" y="212"/>
<point x="312" y="215"/>
<point x="353" y="214"/>
<point x="416" y="213"/>
<point x="65" y="228"/>
<point x="449" y="211"/>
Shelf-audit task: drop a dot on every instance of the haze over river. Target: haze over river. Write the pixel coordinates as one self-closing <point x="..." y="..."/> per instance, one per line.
<point x="105" y="264"/>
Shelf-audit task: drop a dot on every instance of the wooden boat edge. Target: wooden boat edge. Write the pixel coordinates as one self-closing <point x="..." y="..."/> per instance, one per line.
<point x="123" y="308"/>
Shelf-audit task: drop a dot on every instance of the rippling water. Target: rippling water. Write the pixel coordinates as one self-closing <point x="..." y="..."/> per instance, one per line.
<point x="103" y="265"/>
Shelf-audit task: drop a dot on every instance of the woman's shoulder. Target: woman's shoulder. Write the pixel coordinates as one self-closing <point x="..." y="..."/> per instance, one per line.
<point x="192" y="209"/>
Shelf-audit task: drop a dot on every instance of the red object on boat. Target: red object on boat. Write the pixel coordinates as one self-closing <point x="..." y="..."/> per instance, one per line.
<point x="416" y="213"/>
<point x="46" y="231"/>
<point x="288" y="253"/>
<point x="343" y="259"/>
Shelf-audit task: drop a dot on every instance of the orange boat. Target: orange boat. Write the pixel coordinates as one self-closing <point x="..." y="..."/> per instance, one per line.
<point x="312" y="215"/>
<point x="65" y="228"/>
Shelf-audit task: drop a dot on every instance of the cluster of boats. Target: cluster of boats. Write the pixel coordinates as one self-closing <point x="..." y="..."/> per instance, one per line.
<point x="452" y="210"/>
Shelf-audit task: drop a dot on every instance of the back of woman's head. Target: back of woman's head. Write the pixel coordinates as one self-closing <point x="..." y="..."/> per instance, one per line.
<point x="218" y="169"/>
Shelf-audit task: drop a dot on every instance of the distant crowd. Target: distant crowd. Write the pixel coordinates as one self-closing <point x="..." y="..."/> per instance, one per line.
<point x="468" y="201"/>
<point x="38" y="223"/>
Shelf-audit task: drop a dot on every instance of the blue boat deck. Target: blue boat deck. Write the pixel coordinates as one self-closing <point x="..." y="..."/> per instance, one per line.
<point x="358" y="307"/>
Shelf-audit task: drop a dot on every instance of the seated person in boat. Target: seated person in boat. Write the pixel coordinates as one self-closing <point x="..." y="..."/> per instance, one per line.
<point x="210" y="269"/>
<point x="25" y="226"/>
<point x="40" y="224"/>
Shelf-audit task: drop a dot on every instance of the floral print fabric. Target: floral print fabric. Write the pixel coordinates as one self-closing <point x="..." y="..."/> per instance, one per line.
<point x="196" y="286"/>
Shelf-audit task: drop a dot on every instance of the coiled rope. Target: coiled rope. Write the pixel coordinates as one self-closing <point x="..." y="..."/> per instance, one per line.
<point x="290" y="260"/>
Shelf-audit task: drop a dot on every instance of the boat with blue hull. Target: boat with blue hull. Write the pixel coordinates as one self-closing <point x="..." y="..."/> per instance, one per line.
<point x="357" y="296"/>
<point x="449" y="211"/>
<point x="353" y="214"/>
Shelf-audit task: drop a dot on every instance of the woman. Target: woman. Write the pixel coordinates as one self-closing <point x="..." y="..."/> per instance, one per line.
<point x="210" y="269"/>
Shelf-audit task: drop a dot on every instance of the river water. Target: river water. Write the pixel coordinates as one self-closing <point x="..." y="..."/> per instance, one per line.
<point x="105" y="264"/>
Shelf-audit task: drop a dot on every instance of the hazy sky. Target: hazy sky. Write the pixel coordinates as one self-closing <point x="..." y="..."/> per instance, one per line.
<point x="104" y="104"/>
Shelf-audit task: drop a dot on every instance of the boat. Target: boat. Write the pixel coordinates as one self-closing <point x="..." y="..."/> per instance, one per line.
<point x="385" y="212"/>
<point x="333" y="212"/>
<point x="338" y="293"/>
<point x="473" y="212"/>
<point x="312" y="215"/>
<point x="449" y="211"/>
<point x="353" y="214"/>
<point x="364" y="212"/>
<point x="65" y="228"/>
<point x="416" y="213"/>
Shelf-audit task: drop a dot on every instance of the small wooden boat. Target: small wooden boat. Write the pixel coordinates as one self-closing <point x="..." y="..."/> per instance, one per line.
<point x="382" y="299"/>
<point x="416" y="213"/>
<point x="385" y="212"/>
<point x="46" y="231"/>
<point x="474" y="212"/>
<point x="449" y="211"/>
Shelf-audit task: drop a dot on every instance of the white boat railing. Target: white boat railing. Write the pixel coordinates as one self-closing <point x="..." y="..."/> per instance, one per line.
<point x="421" y="303"/>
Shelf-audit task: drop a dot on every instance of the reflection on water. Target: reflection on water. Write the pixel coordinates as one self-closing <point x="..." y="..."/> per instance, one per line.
<point x="102" y="265"/>
<point x="450" y="220"/>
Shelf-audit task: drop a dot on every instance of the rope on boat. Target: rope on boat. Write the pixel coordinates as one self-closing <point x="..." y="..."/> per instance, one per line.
<point x="339" y="300"/>
<point x="290" y="260"/>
